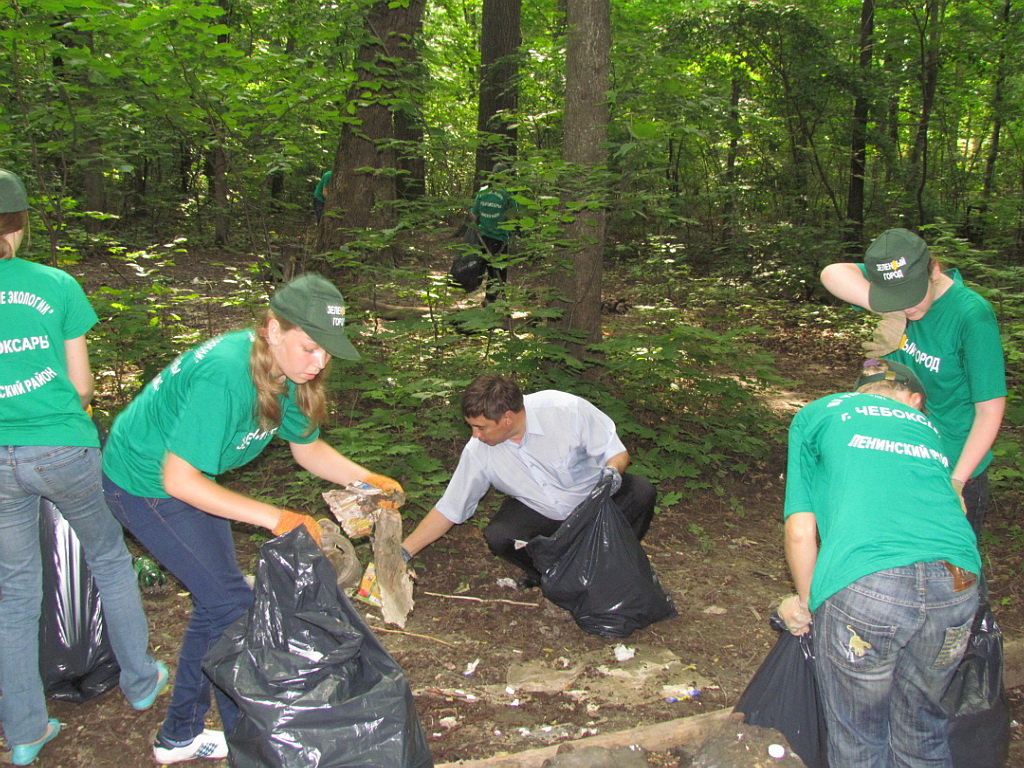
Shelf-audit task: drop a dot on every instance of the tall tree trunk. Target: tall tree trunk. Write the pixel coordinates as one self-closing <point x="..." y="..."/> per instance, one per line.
<point x="217" y="177"/>
<point x="917" y="177"/>
<point x="586" y="130"/>
<point x="854" y="236"/>
<point x="997" y="107"/>
<point x="363" y="187"/>
<point x="500" y="38"/>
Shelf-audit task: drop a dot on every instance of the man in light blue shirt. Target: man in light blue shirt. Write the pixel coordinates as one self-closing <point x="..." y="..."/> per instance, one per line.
<point x="545" y="451"/>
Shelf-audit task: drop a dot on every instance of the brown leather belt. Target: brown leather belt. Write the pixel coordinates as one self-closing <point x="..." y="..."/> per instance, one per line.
<point x="962" y="579"/>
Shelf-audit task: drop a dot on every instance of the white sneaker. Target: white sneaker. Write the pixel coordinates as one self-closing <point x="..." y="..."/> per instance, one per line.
<point x="209" y="744"/>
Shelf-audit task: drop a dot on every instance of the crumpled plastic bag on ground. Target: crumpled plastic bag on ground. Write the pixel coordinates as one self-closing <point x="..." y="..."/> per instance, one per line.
<point x="979" y="714"/>
<point x="783" y="694"/>
<point x="314" y="685"/>
<point x="594" y="567"/>
<point x="76" y="661"/>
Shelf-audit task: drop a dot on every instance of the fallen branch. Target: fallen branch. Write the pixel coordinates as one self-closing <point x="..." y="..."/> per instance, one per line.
<point x="480" y="599"/>
<point x="413" y="634"/>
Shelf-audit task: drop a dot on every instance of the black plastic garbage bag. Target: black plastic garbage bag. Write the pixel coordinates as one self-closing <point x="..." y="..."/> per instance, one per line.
<point x="467" y="271"/>
<point x="594" y="567"/>
<point x="76" y="661"/>
<point x="979" y="714"/>
<point x="783" y="694"/>
<point x="314" y="685"/>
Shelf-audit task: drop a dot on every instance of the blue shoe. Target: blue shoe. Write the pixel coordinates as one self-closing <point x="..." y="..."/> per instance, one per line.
<point x="27" y="753"/>
<point x="162" y="676"/>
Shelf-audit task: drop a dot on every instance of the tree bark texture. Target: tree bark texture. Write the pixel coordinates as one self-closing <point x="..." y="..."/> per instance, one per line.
<point x="586" y="130"/>
<point x="500" y="39"/>
<point x="362" y="189"/>
<point x="858" y="134"/>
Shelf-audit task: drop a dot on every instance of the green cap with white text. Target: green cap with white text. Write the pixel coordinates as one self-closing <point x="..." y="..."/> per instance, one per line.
<point x="317" y="307"/>
<point x="897" y="264"/>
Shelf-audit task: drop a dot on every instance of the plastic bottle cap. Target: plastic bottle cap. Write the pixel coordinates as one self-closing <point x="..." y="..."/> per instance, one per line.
<point x="777" y="751"/>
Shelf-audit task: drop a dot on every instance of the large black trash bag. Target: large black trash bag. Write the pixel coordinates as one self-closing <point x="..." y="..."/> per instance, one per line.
<point x="314" y="685"/>
<point x="783" y="694"/>
<point x="467" y="271"/>
<point x="979" y="714"/>
<point x="76" y="661"/>
<point x="594" y="567"/>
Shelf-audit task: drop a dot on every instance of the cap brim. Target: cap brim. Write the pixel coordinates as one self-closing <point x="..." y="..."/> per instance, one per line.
<point x="894" y="298"/>
<point x="336" y="344"/>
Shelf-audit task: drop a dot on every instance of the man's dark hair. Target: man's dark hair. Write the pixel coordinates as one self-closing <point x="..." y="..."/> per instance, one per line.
<point x="491" y="396"/>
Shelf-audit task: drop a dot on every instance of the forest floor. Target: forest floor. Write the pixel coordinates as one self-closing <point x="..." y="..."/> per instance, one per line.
<point x="508" y="671"/>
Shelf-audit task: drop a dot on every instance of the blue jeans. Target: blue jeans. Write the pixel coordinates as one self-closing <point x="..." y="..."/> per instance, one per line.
<point x="198" y="549"/>
<point x="69" y="477"/>
<point x="885" y="649"/>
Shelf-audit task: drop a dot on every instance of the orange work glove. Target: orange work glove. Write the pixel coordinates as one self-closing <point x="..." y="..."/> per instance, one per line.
<point x="386" y="484"/>
<point x="291" y="520"/>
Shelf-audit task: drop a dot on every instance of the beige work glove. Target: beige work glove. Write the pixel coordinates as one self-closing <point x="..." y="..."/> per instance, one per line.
<point x="796" y="615"/>
<point x="888" y="335"/>
<point x="390" y="487"/>
<point x="291" y="520"/>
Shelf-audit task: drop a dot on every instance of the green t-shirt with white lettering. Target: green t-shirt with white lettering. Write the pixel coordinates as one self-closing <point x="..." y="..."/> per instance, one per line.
<point x="41" y="308"/>
<point x="956" y="353"/>
<point x="201" y="408"/>
<point x="491" y="208"/>
<point x="873" y="473"/>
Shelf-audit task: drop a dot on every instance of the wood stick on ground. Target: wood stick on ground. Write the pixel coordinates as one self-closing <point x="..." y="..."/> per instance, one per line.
<point x="481" y="599"/>
<point x="413" y="634"/>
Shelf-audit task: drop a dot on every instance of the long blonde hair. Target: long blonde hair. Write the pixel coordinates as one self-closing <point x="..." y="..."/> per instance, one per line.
<point x="310" y="396"/>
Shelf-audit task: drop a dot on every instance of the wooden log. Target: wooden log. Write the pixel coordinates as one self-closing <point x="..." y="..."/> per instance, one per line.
<point x="684" y="731"/>
<point x="392" y="575"/>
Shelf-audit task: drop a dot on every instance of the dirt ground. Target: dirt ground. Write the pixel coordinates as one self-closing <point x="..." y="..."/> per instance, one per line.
<point x="495" y="670"/>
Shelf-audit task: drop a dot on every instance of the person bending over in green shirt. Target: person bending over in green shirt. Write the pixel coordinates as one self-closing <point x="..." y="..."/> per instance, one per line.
<point x="892" y="592"/>
<point x="215" y="408"/>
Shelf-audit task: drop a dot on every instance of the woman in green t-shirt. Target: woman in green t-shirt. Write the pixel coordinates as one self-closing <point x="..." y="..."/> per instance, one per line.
<point x="215" y="408"/>
<point x="51" y="451"/>
<point x="948" y="335"/>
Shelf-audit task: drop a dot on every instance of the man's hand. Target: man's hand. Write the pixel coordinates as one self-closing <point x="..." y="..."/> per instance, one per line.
<point x="887" y="336"/>
<point x="291" y="520"/>
<point x="796" y="615"/>
<point x="614" y="478"/>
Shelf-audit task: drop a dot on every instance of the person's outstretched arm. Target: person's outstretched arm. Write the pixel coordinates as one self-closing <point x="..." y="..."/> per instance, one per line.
<point x="431" y="528"/>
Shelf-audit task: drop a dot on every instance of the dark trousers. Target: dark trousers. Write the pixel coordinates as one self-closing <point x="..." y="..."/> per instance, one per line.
<point x="976" y="500"/>
<point x="496" y="276"/>
<point x="516" y="521"/>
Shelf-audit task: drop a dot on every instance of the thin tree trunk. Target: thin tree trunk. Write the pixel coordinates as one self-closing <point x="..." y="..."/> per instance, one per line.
<point x="858" y="138"/>
<point x="918" y="162"/>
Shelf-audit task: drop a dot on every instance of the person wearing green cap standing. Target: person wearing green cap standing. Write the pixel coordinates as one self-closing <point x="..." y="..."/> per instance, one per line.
<point x="490" y="210"/>
<point x="51" y="451"/>
<point x="891" y="593"/>
<point x="948" y="335"/>
<point x="213" y="409"/>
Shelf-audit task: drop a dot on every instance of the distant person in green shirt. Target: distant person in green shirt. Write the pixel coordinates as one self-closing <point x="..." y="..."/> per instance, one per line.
<point x="948" y="335"/>
<point x="51" y="451"/>
<point x="892" y="591"/>
<point x="320" y="196"/>
<point x="213" y="409"/>
<point x="490" y="210"/>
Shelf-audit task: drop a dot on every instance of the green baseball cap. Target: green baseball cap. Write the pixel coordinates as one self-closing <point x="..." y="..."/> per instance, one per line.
<point x="13" y="197"/>
<point x="317" y="307"/>
<point x="897" y="263"/>
<point x="893" y="371"/>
